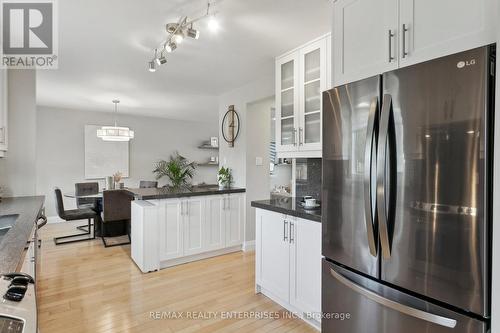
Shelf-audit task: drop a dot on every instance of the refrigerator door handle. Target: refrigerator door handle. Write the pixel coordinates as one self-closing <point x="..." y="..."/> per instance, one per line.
<point x="408" y="310"/>
<point x="381" y="176"/>
<point x="370" y="220"/>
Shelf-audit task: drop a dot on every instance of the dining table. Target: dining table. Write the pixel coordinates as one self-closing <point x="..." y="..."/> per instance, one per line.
<point x="116" y="229"/>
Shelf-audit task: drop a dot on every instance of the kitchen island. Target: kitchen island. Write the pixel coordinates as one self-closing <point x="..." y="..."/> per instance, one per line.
<point x="171" y="227"/>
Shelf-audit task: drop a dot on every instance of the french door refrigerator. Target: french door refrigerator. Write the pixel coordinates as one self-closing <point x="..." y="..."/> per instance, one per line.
<point x="407" y="160"/>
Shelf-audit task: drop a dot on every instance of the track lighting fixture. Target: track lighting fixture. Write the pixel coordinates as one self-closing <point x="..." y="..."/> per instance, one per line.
<point x="176" y="32"/>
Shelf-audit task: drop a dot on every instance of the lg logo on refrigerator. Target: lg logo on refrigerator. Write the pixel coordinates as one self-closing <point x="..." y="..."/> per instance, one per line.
<point x="462" y="64"/>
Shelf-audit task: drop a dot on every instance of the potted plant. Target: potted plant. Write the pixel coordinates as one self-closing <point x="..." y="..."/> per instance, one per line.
<point x="178" y="170"/>
<point x="225" y="178"/>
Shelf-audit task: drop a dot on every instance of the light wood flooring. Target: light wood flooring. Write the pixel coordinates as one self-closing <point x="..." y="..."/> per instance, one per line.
<point x="84" y="287"/>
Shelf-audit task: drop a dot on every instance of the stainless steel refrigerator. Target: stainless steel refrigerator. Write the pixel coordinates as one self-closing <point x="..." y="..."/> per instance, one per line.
<point x="407" y="174"/>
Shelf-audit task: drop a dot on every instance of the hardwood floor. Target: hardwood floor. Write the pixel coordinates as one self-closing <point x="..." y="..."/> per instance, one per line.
<point x="84" y="287"/>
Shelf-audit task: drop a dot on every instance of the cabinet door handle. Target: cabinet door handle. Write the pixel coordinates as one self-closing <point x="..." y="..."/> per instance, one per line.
<point x="292" y="230"/>
<point x="391" y="36"/>
<point x="405" y="30"/>
<point x="182" y="208"/>
<point x="285" y="231"/>
<point x="294" y="136"/>
<point x="301" y="136"/>
<point x="2" y="134"/>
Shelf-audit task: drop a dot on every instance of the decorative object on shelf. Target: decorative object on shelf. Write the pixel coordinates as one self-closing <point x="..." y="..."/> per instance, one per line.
<point x="225" y="178"/>
<point x="176" y="32"/>
<point x="230" y="126"/>
<point x="214" y="142"/>
<point x="178" y="170"/>
<point x="110" y="184"/>
<point x="117" y="176"/>
<point x="115" y="133"/>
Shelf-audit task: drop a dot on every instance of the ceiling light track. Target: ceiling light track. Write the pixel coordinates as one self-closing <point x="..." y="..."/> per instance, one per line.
<point x="176" y="33"/>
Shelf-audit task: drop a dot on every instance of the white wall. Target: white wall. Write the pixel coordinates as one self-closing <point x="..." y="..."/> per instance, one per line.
<point x="17" y="168"/>
<point x="60" y="148"/>
<point x="235" y="157"/>
<point x="257" y="176"/>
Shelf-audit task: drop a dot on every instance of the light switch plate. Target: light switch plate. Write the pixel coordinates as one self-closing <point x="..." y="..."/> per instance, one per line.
<point x="258" y="160"/>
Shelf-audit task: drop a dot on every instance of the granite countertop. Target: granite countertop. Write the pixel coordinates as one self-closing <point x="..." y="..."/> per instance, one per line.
<point x="13" y="243"/>
<point x="289" y="206"/>
<point x="169" y="193"/>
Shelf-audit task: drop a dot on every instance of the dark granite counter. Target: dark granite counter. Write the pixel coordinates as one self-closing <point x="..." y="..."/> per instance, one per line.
<point x="169" y="193"/>
<point x="289" y="206"/>
<point x="14" y="241"/>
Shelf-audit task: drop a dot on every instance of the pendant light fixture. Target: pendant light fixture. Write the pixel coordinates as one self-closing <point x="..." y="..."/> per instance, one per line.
<point x="115" y="133"/>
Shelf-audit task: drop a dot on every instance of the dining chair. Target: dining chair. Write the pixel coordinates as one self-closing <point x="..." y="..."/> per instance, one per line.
<point x="148" y="184"/>
<point x="116" y="207"/>
<point x="72" y="215"/>
<point x="86" y="189"/>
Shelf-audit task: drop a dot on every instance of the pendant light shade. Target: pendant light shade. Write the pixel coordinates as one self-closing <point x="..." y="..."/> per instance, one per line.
<point x="115" y="133"/>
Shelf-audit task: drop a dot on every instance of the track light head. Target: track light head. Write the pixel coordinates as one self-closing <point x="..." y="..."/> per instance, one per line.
<point x="152" y="66"/>
<point x="161" y="60"/>
<point x="193" y="33"/>
<point x="178" y="38"/>
<point x="170" y="46"/>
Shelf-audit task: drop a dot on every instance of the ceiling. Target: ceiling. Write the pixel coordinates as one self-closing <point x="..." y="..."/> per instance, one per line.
<point x="104" y="47"/>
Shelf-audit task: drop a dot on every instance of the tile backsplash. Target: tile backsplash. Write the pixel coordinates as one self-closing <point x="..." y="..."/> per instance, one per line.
<point x="308" y="177"/>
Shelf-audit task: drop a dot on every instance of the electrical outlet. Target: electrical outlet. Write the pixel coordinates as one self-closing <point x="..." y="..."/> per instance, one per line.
<point x="258" y="160"/>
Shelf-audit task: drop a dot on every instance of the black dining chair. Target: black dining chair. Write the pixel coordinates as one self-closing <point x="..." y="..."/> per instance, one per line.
<point x="86" y="189"/>
<point x="148" y="184"/>
<point x="116" y="207"/>
<point x="72" y="215"/>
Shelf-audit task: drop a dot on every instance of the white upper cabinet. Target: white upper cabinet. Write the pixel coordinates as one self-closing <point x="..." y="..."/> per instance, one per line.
<point x="373" y="37"/>
<point x="301" y="76"/>
<point x="435" y="28"/>
<point x="365" y="39"/>
<point x="3" y="112"/>
<point x="287" y="103"/>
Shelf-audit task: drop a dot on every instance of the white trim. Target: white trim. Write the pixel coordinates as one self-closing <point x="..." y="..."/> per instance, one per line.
<point x="199" y="256"/>
<point x="248" y="246"/>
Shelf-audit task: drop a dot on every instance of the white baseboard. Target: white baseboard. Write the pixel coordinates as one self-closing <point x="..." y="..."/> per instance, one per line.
<point x="249" y="246"/>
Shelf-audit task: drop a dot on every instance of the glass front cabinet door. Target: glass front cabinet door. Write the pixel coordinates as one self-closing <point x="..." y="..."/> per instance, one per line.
<point x="287" y="103"/>
<point x="300" y="80"/>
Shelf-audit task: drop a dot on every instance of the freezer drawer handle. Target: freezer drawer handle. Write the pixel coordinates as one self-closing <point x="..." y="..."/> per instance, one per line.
<point x="371" y="222"/>
<point x="408" y="310"/>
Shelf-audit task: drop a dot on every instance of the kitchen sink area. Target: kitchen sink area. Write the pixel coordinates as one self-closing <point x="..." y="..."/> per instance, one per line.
<point x="6" y="222"/>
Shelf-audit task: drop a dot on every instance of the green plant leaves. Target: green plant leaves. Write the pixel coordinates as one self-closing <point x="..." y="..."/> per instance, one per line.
<point x="178" y="170"/>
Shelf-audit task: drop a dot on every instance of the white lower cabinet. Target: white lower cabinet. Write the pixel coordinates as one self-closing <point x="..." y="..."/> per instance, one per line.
<point x="170" y="229"/>
<point x="215" y="229"/>
<point x="193" y="218"/>
<point x="273" y="251"/>
<point x="169" y="232"/>
<point x="288" y="262"/>
<point x="234" y="215"/>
